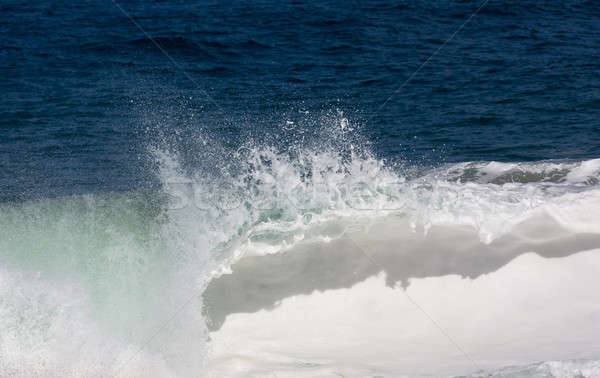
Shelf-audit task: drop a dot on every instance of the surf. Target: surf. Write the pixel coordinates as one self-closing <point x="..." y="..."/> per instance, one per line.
<point x="293" y="260"/>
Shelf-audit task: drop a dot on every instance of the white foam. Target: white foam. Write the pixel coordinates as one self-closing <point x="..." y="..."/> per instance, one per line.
<point x="531" y="309"/>
<point x="586" y="171"/>
<point x="568" y="172"/>
<point x="554" y="369"/>
<point x="48" y="331"/>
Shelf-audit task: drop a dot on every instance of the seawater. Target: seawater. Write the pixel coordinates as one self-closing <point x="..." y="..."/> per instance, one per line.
<point x="281" y="201"/>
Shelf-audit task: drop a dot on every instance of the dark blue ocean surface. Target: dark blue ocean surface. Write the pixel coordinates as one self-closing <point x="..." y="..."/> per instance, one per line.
<point x="85" y="91"/>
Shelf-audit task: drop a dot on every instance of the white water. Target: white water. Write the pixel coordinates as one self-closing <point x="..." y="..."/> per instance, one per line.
<point x="304" y="259"/>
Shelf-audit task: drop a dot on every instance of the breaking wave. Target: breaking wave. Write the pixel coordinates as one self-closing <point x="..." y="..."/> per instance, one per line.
<point x="145" y="283"/>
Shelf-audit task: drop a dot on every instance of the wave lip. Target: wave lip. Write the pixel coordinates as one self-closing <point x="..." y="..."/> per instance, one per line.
<point x="582" y="172"/>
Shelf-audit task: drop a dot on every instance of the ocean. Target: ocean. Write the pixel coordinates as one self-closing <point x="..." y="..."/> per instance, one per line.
<point x="285" y="189"/>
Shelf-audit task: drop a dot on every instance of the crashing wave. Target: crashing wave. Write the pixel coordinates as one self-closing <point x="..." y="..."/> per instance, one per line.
<point x="160" y="282"/>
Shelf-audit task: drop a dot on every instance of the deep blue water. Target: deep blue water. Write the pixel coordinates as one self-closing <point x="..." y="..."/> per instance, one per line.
<point x="81" y="85"/>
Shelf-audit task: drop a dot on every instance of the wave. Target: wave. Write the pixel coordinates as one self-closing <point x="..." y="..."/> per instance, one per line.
<point x="159" y="282"/>
<point x="568" y="368"/>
